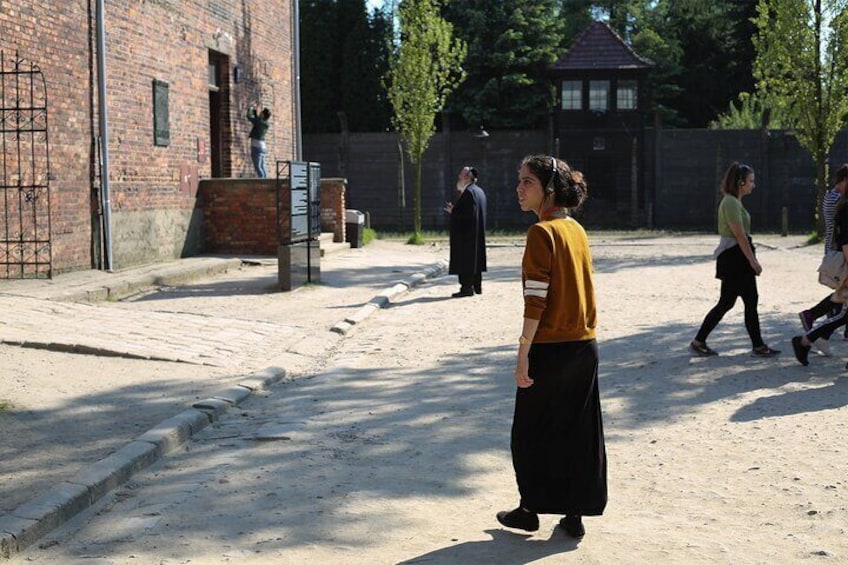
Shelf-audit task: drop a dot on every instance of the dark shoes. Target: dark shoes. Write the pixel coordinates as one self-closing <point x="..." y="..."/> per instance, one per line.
<point x="801" y="351"/>
<point x="519" y="519"/>
<point x="462" y="293"/>
<point x="764" y="351"/>
<point x="478" y="290"/>
<point x="573" y="526"/>
<point x="701" y="349"/>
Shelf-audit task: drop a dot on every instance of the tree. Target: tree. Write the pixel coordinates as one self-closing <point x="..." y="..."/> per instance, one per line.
<point x="344" y="53"/>
<point x="753" y="111"/>
<point x="511" y="43"/>
<point x="425" y="68"/>
<point x="802" y="60"/>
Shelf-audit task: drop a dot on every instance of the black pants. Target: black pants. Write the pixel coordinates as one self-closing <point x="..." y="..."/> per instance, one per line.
<point x="830" y="324"/>
<point x="731" y="289"/>
<point x="471" y="282"/>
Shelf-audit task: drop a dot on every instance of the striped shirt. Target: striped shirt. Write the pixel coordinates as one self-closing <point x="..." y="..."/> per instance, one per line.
<point x="829" y="203"/>
<point x="557" y="281"/>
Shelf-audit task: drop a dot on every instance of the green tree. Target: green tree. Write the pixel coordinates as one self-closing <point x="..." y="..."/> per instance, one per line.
<point x="511" y="44"/>
<point x="425" y="68"/>
<point x="802" y="61"/>
<point x="753" y="111"/>
<point x="344" y="53"/>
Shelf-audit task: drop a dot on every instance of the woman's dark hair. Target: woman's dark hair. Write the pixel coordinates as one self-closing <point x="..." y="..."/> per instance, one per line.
<point x="266" y="113"/>
<point x="735" y="177"/>
<point x="841" y="174"/>
<point x="567" y="185"/>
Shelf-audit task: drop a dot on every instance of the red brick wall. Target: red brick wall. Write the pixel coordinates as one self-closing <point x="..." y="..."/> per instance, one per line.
<point x="166" y="40"/>
<point x="333" y="207"/>
<point x="240" y="216"/>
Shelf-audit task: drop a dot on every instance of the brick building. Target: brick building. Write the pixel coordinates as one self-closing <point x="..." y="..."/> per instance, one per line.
<point x="179" y="77"/>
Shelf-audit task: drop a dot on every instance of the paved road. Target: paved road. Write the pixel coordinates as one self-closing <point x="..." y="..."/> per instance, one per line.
<point x="397" y="451"/>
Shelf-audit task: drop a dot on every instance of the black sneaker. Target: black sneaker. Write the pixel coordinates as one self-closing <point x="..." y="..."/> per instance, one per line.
<point x="701" y="349"/>
<point x="764" y="351"/>
<point x="801" y="351"/>
<point x="573" y="526"/>
<point x="519" y="519"/>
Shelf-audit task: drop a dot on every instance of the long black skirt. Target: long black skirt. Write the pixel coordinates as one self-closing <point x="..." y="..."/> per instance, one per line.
<point x="558" y="448"/>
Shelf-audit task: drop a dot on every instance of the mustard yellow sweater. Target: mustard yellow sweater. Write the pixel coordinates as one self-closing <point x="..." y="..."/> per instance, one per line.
<point x="557" y="279"/>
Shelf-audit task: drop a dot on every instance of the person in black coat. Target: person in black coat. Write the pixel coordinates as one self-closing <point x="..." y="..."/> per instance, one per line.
<point x="468" y="234"/>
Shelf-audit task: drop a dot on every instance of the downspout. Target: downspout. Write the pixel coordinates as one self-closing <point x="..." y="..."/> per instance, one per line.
<point x="105" y="199"/>
<point x="298" y="143"/>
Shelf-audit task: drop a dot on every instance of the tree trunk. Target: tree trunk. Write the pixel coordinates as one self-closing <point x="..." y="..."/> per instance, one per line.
<point x="417" y="219"/>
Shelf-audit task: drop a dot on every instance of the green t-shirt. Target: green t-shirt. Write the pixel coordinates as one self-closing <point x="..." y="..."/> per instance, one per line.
<point x="730" y="210"/>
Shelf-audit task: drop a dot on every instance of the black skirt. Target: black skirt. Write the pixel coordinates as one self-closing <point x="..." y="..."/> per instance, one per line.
<point x="732" y="265"/>
<point x="558" y="450"/>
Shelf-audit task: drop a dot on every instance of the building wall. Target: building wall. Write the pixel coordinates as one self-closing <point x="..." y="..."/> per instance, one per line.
<point x="153" y="189"/>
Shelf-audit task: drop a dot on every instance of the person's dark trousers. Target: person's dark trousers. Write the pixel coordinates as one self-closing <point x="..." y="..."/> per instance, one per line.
<point x="468" y="282"/>
<point x="746" y="288"/>
<point x="830" y="324"/>
<point x="826" y="307"/>
<point x="478" y="283"/>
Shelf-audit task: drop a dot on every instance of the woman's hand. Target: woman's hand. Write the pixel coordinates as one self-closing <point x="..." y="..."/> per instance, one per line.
<point x="755" y="265"/>
<point x="522" y="366"/>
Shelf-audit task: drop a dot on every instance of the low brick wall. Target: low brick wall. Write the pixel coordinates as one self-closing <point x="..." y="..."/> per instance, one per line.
<point x="240" y="215"/>
<point x="333" y="207"/>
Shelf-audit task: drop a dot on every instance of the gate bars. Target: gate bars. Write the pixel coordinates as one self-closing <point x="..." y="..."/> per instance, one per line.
<point x="25" y="247"/>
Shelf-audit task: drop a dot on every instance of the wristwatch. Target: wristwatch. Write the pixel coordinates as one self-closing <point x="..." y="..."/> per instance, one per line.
<point x="523" y="340"/>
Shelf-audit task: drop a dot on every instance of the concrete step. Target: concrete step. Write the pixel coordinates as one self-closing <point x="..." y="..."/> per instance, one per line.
<point x="328" y="246"/>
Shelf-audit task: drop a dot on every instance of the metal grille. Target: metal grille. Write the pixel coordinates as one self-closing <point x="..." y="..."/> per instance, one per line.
<point x="25" y="249"/>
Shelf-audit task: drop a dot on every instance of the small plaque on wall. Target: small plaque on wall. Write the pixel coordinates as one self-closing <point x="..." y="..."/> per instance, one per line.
<point x="161" y="128"/>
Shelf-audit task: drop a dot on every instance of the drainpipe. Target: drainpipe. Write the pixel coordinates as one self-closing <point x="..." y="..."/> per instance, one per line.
<point x="105" y="199"/>
<point x="298" y="143"/>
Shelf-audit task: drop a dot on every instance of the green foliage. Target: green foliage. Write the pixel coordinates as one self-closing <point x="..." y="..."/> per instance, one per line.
<point x="511" y="43"/>
<point x="424" y="69"/>
<point x="5" y="406"/>
<point x="749" y="112"/>
<point x="344" y="53"/>
<point x="416" y="239"/>
<point x="802" y="60"/>
<point x="368" y="235"/>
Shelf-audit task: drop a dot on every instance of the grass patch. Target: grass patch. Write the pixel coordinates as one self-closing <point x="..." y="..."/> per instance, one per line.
<point x="416" y="239"/>
<point x="5" y="406"/>
<point x="814" y="238"/>
<point x="369" y="235"/>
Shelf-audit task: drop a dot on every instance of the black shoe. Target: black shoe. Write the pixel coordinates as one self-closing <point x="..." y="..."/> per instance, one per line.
<point x="573" y="526"/>
<point x="462" y="293"/>
<point x="764" y="351"/>
<point x="478" y="290"/>
<point x="701" y="349"/>
<point x="801" y="351"/>
<point x="519" y="519"/>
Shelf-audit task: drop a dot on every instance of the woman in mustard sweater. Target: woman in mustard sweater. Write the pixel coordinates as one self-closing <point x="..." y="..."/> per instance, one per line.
<point x="557" y="440"/>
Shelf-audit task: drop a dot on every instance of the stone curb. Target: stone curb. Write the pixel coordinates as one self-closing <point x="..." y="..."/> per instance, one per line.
<point x="387" y="296"/>
<point x="32" y="520"/>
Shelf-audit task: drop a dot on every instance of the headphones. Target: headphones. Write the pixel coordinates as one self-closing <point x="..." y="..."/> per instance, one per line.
<point x="549" y="188"/>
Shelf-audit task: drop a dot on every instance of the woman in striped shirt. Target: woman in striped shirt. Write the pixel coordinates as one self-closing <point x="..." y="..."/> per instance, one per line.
<point x="557" y="439"/>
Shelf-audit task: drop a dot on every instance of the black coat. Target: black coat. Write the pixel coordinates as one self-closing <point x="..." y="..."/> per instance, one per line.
<point x="468" y="232"/>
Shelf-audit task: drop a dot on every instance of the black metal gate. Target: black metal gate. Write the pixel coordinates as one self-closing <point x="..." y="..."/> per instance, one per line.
<point x="25" y="249"/>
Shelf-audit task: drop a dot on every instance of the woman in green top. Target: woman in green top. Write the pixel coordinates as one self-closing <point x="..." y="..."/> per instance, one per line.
<point x="257" y="138"/>
<point x="736" y="263"/>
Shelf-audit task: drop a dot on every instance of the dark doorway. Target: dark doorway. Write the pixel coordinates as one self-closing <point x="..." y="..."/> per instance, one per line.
<point x="219" y="130"/>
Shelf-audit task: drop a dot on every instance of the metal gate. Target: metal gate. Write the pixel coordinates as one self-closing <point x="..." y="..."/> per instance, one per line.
<point x="25" y="249"/>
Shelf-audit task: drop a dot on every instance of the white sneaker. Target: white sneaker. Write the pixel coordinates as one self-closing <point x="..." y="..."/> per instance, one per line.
<point x="823" y="346"/>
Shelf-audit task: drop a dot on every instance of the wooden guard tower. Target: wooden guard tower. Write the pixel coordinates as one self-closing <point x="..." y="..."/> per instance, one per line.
<point x="599" y="123"/>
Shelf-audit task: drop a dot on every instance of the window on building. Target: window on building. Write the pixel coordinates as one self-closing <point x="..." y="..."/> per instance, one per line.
<point x="599" y="95"/>
<point x="626" y="95"/>
<point x="572" y="95"/>
<point x="161" y="126"/>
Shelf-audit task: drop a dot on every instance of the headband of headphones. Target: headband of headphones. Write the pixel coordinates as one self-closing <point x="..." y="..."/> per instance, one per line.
<point x="549" y="188"/>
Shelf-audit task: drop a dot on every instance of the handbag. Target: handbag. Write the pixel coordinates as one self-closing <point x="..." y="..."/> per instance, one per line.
<point x="833" y="269"/>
